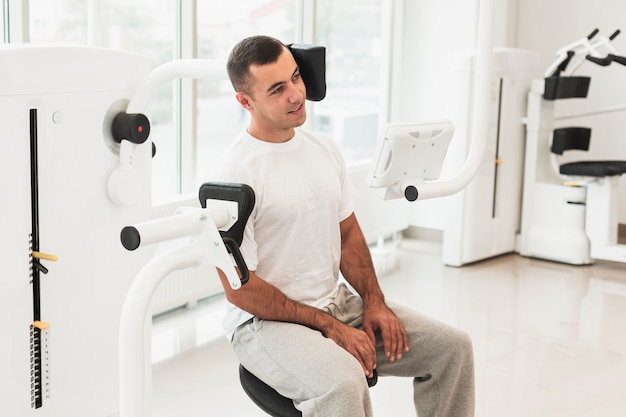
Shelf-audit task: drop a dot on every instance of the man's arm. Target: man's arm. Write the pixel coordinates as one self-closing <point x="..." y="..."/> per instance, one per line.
<point x="265" y="301"/>
<point x="357" y="268"/>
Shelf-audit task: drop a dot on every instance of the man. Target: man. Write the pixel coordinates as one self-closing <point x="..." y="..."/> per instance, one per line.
<point x="294" y="325"/>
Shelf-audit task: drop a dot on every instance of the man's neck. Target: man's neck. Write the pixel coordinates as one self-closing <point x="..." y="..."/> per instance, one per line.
<point x="271" y="135"/>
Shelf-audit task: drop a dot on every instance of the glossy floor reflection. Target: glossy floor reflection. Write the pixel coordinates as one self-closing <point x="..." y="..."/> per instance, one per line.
<point x="549" y="339"/>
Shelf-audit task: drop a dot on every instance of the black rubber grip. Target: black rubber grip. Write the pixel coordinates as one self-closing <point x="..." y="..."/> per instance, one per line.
<point x="130" y="237"/>
<point x="411" y="193"/>
<point x="233" y="248"/>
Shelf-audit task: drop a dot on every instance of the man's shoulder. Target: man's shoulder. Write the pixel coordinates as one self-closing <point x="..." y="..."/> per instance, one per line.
<point x="320" y="140"/>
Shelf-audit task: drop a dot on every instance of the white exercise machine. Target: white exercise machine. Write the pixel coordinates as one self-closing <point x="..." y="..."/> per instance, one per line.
<point x="65" y="275"/>
<point x="570" y="211"/>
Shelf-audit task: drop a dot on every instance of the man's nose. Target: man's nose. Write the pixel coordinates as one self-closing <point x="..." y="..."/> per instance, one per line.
<point x="295" y="93"/>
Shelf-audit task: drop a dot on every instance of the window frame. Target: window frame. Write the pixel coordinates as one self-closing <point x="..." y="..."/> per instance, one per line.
<point x="15" y="19"/>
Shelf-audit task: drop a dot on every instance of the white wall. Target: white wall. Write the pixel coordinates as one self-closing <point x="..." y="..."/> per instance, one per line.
<point x="435" y="33"/>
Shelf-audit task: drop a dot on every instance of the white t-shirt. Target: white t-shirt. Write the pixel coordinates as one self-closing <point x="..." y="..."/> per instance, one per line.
<point x="292" y="239"/>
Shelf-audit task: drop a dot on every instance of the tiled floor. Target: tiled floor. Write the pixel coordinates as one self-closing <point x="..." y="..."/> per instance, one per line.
<point x="549" y="339"/>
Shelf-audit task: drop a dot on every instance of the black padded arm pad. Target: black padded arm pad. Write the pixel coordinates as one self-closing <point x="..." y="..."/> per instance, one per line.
<point x="566" y="87"/>
<point x="567" y="138"/>
<point x="312" y="62"/>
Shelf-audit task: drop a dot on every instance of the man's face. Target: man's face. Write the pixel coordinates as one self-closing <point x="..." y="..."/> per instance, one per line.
<point x="276" y="100"/>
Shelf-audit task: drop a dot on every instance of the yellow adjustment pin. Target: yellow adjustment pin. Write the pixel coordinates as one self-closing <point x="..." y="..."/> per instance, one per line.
<point x="571" y="184"/>
<point x="41" y="325"/>
<point x="499" y="161"/>
<point x="45" y="256"/>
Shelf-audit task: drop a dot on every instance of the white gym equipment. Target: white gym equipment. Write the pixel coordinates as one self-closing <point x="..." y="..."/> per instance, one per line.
<point x="59" y="352"/>
<point x="419" y="185"/>
<point x="483" y="217"/>
<point x="569" y="214"/>
<point x="189" y="239"/>
<point x="408" y="154"/>
<point x="86" y="176"/>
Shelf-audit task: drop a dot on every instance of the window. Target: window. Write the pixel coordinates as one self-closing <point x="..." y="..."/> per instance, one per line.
<point x="3" y="28"/>
<point x="354" y="38"/>
<point x="354" y="41"/>
<point x="193" y="121"/>
<point x="144" y="27"/>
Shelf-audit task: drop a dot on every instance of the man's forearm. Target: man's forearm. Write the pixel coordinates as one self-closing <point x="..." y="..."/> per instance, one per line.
<point x="265" y="301"/>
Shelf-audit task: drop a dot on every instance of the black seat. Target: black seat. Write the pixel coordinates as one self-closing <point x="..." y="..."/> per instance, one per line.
<point x="579" y="138"/>
<point x="594" y="168"/>
<point x="270" y="401"/>
<point x="266" y="397"/>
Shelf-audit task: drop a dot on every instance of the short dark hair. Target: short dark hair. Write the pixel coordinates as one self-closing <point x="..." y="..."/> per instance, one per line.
<point x="255" y="50"/>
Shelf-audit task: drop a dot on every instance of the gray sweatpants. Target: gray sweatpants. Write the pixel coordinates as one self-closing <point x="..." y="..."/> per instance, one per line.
<point x="324" y="380"/>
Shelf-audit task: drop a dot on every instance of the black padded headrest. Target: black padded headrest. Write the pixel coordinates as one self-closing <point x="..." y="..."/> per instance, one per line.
<point x="312" y="62"/>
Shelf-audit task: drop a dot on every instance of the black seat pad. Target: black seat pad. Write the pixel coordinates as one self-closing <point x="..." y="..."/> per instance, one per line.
<point x="266" y="397"/>
<point x="594" y="168"/>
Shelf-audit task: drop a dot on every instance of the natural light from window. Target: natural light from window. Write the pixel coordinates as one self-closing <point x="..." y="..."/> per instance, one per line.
<point x="188" y="141"/>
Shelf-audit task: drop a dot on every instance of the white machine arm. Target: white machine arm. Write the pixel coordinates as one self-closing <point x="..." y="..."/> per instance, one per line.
<point x="134" y="355"/>
<point x="420" y="187"/>
<point x="200" y="69"/>
<point x="131" y="128"/>
<point x="203" y="244"/>
<point x="196" y="241"/>
<point x="200" y="226"/>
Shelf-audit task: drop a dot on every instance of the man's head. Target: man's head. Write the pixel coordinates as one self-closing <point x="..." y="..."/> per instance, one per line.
<point x="268" y="84"/>
<point x="255" y="50"/>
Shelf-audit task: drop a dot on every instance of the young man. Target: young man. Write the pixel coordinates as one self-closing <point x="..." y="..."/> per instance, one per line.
<point x="294" y="325"/>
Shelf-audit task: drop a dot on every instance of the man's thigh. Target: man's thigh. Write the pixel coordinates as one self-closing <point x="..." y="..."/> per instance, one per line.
<point x="430" y="341"/>
<point x="297" y="361"/>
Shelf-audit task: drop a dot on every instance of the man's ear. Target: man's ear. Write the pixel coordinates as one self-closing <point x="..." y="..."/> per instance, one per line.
<point x="244" y="100"/>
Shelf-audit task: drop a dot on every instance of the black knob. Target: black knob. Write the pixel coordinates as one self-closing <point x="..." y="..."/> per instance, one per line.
<point x="373" y="380"/>
<point x="410" y="193"/>
<point x="130" y="238"/>
<point x="134" y="127"/>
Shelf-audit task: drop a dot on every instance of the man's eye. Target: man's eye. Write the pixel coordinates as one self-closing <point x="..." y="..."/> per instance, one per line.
<point x="278" y="90"/>
<point x="296" y="76"/>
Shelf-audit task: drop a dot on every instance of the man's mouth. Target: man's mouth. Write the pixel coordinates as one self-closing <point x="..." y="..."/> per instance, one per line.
<point x="297" y="109"/>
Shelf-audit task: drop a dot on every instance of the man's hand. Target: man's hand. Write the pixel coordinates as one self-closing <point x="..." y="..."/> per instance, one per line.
<point x="377" y="316"/>
<point x="356" y="342"/>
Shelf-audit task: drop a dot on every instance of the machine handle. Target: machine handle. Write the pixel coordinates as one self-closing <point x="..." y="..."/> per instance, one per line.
<point x="593" y="33"/>
<point x="233" y="248"/>
<point x="133" y="127"/>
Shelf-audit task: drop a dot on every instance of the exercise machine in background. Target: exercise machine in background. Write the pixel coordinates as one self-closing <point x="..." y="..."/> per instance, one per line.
<point x="570" y="210"/>
<point x="482" y="216"/>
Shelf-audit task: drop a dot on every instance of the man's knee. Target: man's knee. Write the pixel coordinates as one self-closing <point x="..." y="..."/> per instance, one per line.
<point x="463" y="343"/>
